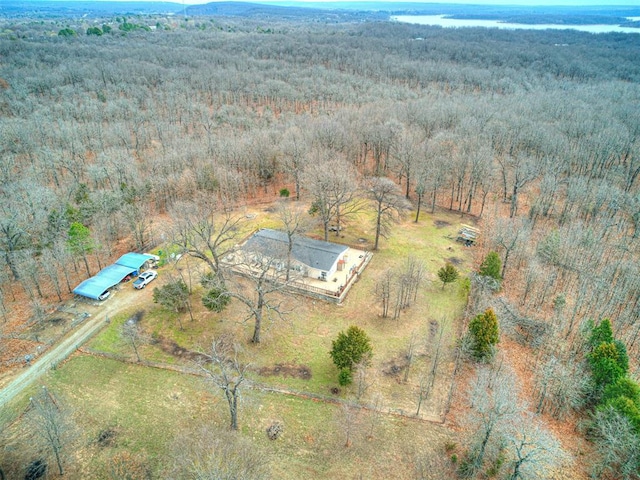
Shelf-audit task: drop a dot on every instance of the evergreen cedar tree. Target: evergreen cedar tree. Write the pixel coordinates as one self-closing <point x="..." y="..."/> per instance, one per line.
<point x="485" y="334"/>
<point x="448" y="274"/>
<point x="491" y="266"/>
<point x="611" y="386"/>
<point x="350" y="348"/>
<point x="172" y="295"/>
<point x="216" y="299"/>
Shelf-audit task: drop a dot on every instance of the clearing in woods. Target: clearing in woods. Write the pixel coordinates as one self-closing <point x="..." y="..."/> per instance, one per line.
<point x="146" y="407"/>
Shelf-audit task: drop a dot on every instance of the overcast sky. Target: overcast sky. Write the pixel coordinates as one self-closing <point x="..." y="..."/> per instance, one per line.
<point x="609" y="3"/>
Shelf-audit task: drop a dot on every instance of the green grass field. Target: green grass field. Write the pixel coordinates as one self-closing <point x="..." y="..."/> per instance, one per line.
<point x="304" y="337"/>
<point x="148" y="407"/>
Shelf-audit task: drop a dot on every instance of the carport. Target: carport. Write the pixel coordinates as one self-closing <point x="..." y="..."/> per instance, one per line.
<point x="108" y="277"/>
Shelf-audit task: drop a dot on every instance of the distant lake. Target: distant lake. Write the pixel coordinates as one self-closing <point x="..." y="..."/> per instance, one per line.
<point x="453" y="23"/>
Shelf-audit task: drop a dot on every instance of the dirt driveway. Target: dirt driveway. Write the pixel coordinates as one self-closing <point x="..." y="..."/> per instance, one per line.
<point x="100" y="314"/>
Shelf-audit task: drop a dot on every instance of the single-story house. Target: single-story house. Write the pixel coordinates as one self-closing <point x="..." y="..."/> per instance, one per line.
<point x="318" y="259"/>
<point x="127" y="265"/>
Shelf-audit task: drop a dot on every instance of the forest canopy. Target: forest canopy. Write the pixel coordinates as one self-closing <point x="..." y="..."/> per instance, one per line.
<point x="109" y="139"/>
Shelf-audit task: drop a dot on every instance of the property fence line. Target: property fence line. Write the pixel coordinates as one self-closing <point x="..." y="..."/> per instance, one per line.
<point x="304" y="288"/>
<point x="199" y="372"/>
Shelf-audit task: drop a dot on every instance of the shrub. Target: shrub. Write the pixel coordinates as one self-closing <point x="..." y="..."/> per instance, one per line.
<point x="284" y="192"/>
<point x="607" y="366"/>
<point x="491" y="265"/>
<point x="485" y="334"/>
<point x="623" y="387"/>
<point x="448" y="274"/>
<point x="275" y="430"/>
<point x="600" y="333"/>
<point x="67" y="32"/>
<point x="216" y="299"/>
<point x="345" y="377"/>
<point x="350" y="348"/>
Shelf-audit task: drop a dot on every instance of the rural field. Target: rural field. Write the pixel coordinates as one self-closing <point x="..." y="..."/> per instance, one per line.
<point x="484" y="323"/>
<point x="291" y="377"/>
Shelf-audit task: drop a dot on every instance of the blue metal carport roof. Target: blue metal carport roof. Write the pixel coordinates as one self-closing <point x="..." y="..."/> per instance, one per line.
<point x="103" y="280"/>
<point x="111" y="275"/>
<point x="133" y="260"/>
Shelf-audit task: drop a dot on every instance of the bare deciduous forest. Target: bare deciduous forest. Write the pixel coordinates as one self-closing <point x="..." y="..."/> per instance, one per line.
<point x="106" y="140"/>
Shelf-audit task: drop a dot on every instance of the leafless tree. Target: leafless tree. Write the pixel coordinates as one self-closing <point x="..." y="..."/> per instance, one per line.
<point x="534" y="452"/>
<point x="410" y="355"/>
<point x="412" y="276"/>
<point x="434" y="170"/>
<point x="205" y="231"/>
<point x="12" y="238"/>
<point x="207" y="454"/>
<point x="332" y="184"/>
<point x="405" y="153"/>
<point x="259" y="282"/>
<point x="50" y="269"/>
<point x="509" y="234"/>
<point x="295" y="224"/>
<point x="525" y="170"/>
<point x="348" y="419"/>
<point x="428" y="376"/>
<point x="618" y="445"/>
<point x="139" y="218"/>
<point x="384" y="286"/>
<point x="227" y="372"/>
<point x="560" y="386"/>
<point x="362" y="378"/>
<point x="493" y="398"/>
<point x="133" y="334"/>
<point x="295" y="148"/>
<point x="51" y="423"/>
<point x="388" y="204"/>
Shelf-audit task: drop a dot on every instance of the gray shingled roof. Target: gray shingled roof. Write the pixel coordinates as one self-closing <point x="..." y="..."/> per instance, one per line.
<point x="313" y="253"/>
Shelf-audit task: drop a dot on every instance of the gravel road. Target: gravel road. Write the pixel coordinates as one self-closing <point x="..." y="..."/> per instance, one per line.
<point x="70" y="343"/>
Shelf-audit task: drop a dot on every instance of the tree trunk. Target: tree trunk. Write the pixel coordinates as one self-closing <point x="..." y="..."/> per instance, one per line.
<point x="258" y="314"/>
<point x="86" y="264"/>
<point x="232" y="399"/>
<point x="504" y="264"/>
<point x="378" y="227"/>
<point x="418" y="210"/>
<point x="58" y="460"/>
<point x="484" y="198"/>
<point x="12" y="267"/>
<point x="514" y="203"/>
<point x="407" y="196"/>
<point x="289" y="250"/>
<point x="420" y="399"/>
<point x="135" y="349"/>
<point x="516" y="471"/>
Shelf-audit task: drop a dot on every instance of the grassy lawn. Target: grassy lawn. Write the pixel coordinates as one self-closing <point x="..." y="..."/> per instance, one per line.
<point x="304" y="337"/>
<point x="147" y="408"/>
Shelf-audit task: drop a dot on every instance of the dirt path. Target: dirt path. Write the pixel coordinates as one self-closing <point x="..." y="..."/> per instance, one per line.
<point x="100" y="314"/>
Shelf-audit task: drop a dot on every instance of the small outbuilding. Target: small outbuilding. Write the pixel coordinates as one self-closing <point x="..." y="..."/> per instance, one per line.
<point x="468" y="235"/>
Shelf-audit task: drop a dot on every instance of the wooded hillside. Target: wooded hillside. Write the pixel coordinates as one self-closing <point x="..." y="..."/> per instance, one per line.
<point x="105" y="138"/>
